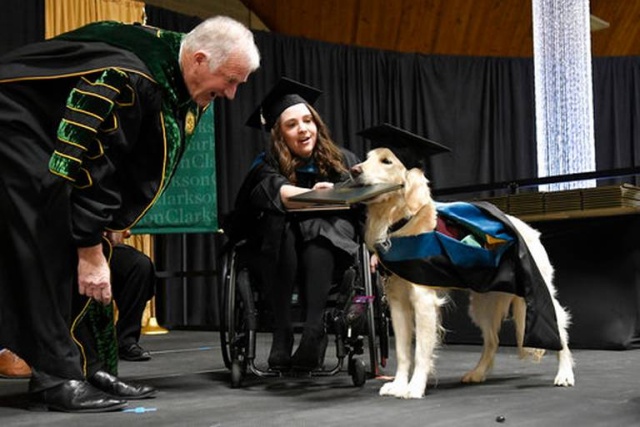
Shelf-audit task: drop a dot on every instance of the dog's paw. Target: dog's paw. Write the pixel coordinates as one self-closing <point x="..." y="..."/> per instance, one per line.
<point x="395" y="389"/>
<point x="474" y="377"/>
<point x="564" y="379"/>
<point x="415" y="391"/>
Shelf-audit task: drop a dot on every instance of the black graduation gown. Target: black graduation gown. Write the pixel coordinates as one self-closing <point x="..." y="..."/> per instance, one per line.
<point x="261" y="216"/>
<point x="45" y="215"/>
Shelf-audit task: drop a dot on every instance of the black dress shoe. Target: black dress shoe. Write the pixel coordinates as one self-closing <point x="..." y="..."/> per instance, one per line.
<point x="75" y="396"/>
<point x="134" y="353"/>
<point x="115" y="387"/>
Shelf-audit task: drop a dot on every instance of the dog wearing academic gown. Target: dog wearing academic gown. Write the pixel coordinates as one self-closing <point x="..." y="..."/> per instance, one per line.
<point x="415" y="309"/>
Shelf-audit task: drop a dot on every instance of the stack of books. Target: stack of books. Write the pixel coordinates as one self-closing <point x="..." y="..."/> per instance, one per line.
<point x="604" y="199"/>
<point x="526" y="204"/>
<point x="625" y="195"/>
<point x="562" y="201"/>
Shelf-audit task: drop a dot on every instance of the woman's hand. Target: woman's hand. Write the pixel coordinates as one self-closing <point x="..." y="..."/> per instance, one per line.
<point x="287" y="191"/>
<point x="94" y="276"/>
<point x="373" y="263"/>
<point x="322" y="185"/>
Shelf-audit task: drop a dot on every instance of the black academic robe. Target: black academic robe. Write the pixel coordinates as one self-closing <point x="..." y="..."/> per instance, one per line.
<point x="261" y="217"/>
<point x="72" y="166"/>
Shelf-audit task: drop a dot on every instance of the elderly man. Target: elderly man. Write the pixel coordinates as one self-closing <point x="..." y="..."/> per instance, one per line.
<point x="92" y="125"/>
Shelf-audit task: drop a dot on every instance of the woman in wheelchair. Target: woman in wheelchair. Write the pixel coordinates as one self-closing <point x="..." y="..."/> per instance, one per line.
<point x="306" y="246"/>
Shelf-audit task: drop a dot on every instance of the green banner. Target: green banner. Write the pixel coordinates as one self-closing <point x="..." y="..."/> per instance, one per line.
<point x="189" y="203"/>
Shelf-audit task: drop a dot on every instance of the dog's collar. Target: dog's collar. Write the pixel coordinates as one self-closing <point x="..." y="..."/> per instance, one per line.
<point x="385" y="245"/>
<point x="398" y="225"/>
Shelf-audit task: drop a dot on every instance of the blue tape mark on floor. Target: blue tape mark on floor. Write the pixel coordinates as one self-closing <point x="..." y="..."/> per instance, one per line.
<point x="140" y="410"/>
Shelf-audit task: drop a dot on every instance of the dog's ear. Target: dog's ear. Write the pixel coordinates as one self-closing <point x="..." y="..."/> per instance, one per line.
<point x="416" y="190"/>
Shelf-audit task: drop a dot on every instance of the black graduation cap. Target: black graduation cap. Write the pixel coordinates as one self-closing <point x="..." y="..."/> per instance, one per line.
<point x="284" y="94"/>
<point x="411" y="149"/>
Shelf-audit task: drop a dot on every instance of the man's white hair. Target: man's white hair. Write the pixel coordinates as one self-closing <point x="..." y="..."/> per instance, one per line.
<point x="219" y="37"/>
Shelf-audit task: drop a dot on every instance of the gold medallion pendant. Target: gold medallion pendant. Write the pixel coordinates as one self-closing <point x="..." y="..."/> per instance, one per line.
<point x="190" y="123"/>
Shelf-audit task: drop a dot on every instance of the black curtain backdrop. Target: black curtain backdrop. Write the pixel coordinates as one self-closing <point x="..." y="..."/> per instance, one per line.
<point x="21" y="22"/>
<point x="162" y="18"/>
<point x="616" y="92"/>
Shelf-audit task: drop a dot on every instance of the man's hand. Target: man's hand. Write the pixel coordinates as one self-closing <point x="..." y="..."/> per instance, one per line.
<point x="94" y="276"/>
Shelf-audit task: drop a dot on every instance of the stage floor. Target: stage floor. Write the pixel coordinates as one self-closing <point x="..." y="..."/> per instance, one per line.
<point x="194" y="390"/>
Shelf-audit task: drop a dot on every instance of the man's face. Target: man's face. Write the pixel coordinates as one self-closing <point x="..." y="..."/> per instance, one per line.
<point x="204" y="85"/>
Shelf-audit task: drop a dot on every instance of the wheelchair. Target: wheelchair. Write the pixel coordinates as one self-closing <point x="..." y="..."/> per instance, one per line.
<point x="358" y="311"/>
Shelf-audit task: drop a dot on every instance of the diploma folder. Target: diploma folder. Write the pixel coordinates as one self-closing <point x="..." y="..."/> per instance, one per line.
<point x="344" y="195"/>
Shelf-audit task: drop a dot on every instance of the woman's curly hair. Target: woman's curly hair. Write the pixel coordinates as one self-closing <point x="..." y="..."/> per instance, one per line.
<point x="328" y="157"/>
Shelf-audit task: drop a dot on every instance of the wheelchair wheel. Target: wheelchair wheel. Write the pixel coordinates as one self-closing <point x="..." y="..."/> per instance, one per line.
<point x="238" y="320"/>
<point x="358" y="371"/>
<point x="226" y="289"/>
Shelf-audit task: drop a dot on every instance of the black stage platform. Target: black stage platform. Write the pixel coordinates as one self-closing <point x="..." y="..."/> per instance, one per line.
<point x="195" y="390"/>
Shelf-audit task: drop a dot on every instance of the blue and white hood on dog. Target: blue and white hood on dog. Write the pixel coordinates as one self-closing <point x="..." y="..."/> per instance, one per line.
<point x="476" y="247"/>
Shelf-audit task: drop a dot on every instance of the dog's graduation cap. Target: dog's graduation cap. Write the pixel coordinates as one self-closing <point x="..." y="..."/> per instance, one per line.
<point x="284" y="94"/>
<point x="411" y="149"/>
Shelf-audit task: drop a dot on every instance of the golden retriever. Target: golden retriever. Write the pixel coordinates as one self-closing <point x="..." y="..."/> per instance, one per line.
<point x="417" y="307"/>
